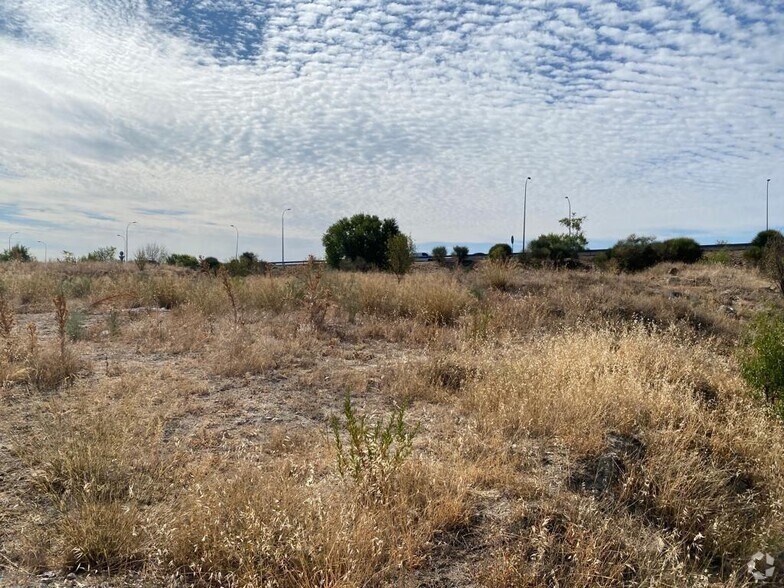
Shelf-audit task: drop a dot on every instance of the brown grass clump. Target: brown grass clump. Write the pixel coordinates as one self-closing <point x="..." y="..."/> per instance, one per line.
<point x="249" y="527"/>
<point x="431" y="299"/>
<point x="97" y="464"/>
<point x="499" y="274"/>
<point x="660" y="427"/>
<point x="247" y="351"/>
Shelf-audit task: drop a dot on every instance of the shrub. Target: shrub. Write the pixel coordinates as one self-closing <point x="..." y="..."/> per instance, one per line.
<point x="559" y="248"/>
<point x="76" y="286"/>
<point x="101" y="254"/>
<point x="16" y="253"/>
<point x="210" y="264"/>
<point x="401" y="254"/>
<point x="74" y="325"/>
<point x="361" y="236"/>
<point x="635" y="253"/>
<point x="500" y="251"/>
<point x="772" y="263"/>
<point x="154" y="252"/>
<point x="247" y="264"/>
<point x="681" y="249"/>
<point x="762" y="360"/>
<point x="372" y="453"/>
<point x="755" y="253"/>
<point x="439" y="254"/>
<point x="183" y="260"/>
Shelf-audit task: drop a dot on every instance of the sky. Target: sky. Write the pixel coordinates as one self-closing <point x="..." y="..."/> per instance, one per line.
<point x="655" y="117"/>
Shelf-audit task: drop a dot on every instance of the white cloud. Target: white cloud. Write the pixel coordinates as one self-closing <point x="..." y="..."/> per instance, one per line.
<point x="432" y="112"/>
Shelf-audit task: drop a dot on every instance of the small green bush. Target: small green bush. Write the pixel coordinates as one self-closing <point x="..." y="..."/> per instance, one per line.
<point x="762" y="358"/>
<point x="373" y="453"/>
<point x="74" y="326"/>
<point x="439" y="254"/>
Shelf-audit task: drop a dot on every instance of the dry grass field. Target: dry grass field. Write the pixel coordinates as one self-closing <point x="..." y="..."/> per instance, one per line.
<point x="495" y="427"/>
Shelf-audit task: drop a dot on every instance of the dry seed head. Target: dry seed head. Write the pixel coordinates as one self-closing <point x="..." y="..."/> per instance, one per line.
<point x="33" y="338"/>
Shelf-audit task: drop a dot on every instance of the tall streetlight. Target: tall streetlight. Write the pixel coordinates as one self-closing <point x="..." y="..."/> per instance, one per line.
<point x="127" y="255"/>
<point x="237" y="244"/>
<point x="525" y="198"/>
<point x="46" y="251"/>
<point x="767" y="190"/>
<point x="9" y="240"/>
<point x="570" y="215"/>
<point x="283" y="238"/>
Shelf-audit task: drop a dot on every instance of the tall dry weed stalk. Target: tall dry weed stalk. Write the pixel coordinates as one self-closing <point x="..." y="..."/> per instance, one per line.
<point x="61" y="315"/>
<point x="32" y="340"/>
<point x="316" y="293"/>
<point x="227" y="285"/>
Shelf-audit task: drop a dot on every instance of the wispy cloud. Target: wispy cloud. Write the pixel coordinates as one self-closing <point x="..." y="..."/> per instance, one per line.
<point x="648" y="114"/>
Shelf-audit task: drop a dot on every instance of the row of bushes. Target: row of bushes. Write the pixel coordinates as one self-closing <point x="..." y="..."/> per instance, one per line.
<point x="636" y="253"/>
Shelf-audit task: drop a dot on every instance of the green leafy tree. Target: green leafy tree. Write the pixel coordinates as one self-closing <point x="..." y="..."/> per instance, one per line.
<point x="500" y="251"/>
<point x="560" y="247"/>
<point x="16" y="253"/>
<point x="359" y="241"/>
<point x="439" y="253"/>
<point x="460" y="253"/>
<point x="401" y="254"/>
<point x="101" y="254"/>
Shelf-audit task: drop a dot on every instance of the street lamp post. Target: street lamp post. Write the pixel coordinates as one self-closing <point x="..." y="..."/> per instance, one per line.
<point x="127" y="255"/>
<point x="9" y="240"/>
<point x="46" y="251"/>
<point x="525" y="198"/>
<point x="283" y="237"/>
<point x="570" y="215"/>
<point x="767" y="190"/>
<point x="237" y="244"/>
